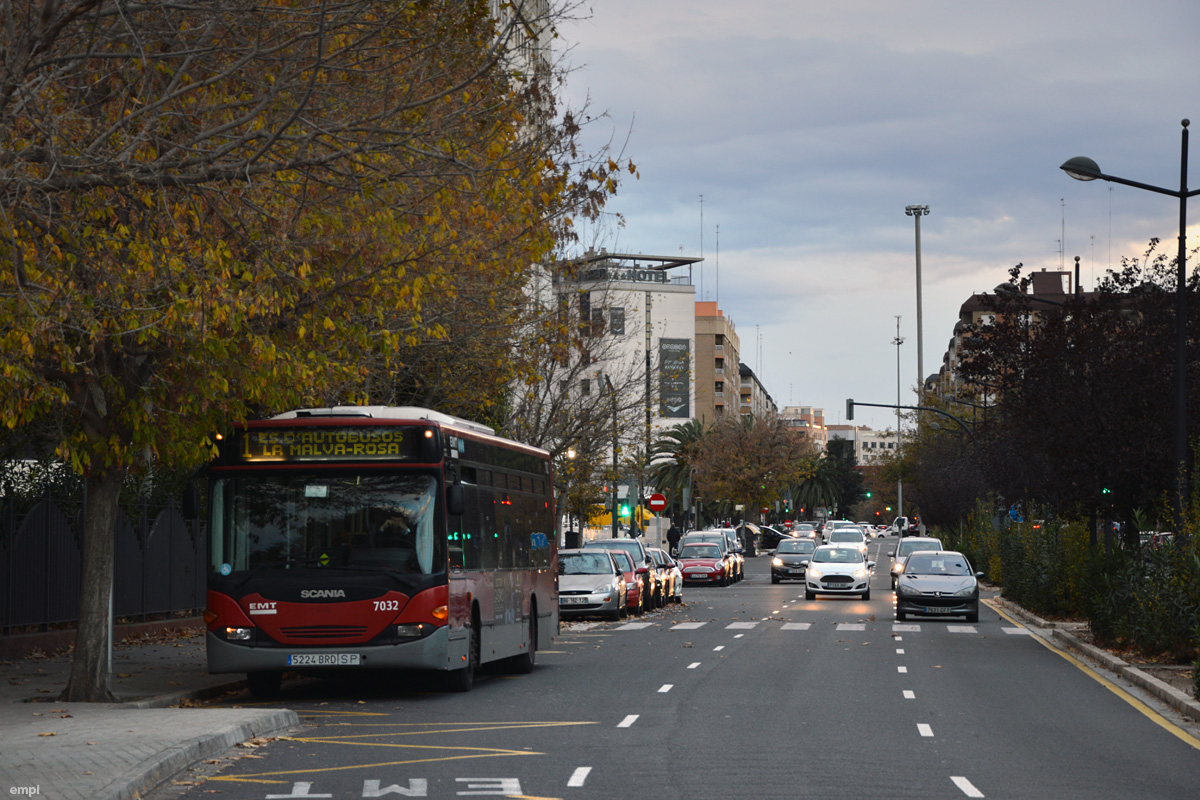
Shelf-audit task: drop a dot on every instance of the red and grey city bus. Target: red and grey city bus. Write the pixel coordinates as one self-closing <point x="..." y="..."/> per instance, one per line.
<point x="372" y="537"/>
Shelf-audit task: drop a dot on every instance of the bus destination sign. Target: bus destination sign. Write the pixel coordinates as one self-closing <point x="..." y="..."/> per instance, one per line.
<point x="288" y="445"/>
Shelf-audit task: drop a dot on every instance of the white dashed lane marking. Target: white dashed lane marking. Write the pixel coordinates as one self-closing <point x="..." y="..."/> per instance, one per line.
<point x="740" y="626"/>
<point x="718" y="648"/>
<point x="628" y="721"/>
<point x="579" y="776"/>
<point x="961" y="628"/>
<point x="1017" y="632"/>
<point x="909" y="694"/>
<point x="634" y="626"/>
<point x="902" y="670"/>
<point x="898" y="628"/>
<point x="924" y="729"/>
<point x="967" y="788"/>
<point x="796" y="626"/>
<point x="693" y="665"/>
<point x="851" y="626"/>
<point x="899" y="651"/>
<point x="688" y="626"/>
<point x="666" y="687"/>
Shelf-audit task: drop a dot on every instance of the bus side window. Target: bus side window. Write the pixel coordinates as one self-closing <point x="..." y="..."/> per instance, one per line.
<point x="472" y="543"/>
<point x="489" y="542"/>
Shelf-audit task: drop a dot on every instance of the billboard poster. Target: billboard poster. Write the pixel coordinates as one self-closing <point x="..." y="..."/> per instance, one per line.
<point x="674" y="378"/>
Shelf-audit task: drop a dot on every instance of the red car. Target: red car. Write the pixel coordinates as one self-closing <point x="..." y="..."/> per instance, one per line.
<point x="633" y="585"/>
<point x="703" y="562"/>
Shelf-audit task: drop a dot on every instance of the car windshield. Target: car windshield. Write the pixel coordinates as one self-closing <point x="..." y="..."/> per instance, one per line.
<point x="701" y="551"/>
<point x="913" y="545"/>
<point x="624" y="560"/>
<point x="846" y="535"/>
<point x="585" y="564"/>
<point x="805" y="546"/>
<point x="921" y="563"/>
<point x="837" y="555"/>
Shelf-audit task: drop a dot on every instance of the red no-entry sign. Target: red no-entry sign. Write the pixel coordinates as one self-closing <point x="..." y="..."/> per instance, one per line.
<point x="657" y="502"/>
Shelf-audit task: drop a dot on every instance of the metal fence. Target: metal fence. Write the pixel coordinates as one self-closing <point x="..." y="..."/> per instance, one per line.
<point x="159" y="567"/>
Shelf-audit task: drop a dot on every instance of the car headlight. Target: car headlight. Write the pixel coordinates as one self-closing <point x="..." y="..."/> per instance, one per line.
<point x="966" y="591"/>
<point x="814" y="572"/>
<point x="777" y="562"/>
<point x="897" y="567"/>
<point x="605" y="587"/>
<point x="860" y="573"/>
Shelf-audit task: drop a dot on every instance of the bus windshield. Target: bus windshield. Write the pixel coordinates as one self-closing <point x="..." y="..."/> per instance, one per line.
<point x="327" y="519"/>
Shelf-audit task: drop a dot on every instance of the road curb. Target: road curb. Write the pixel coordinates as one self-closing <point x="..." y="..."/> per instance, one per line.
<point x="174" y="760"/>
<point x="1163" y="691"/>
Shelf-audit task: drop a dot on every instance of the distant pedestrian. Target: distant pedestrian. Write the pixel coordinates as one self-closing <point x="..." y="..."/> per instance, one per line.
<point x="673" y="536"/>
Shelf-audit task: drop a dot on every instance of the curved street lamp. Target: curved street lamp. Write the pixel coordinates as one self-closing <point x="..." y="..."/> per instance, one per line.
<point x="1082" y="168"/>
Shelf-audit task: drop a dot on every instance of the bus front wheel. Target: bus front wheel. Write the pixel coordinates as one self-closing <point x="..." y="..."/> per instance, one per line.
<point x="461" y="680"/>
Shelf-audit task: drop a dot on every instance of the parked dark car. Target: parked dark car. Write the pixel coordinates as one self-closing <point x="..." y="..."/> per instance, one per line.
<point x="769" y="538"/>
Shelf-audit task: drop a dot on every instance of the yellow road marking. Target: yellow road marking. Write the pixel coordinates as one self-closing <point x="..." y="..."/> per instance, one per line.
<point x="500" y="726"/>
<point x="1148" y="712"/>
<point x="454" y="753"/>
<point x="260" y="777"/>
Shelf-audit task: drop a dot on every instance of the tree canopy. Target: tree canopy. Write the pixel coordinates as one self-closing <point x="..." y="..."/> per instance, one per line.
<point x="212" y="211"/>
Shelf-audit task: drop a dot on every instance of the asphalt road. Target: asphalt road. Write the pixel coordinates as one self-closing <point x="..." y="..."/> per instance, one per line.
<point x="745" y="691"/>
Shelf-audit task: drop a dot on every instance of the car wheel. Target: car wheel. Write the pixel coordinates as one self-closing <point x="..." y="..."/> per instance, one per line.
<point x="809" y="595"/>
<point x="867" y="594"/>
<point x="974" y="615"/>
<point x="901" y="616"/>
<point x="893" y="584"/>
<point x="774" y="579"/>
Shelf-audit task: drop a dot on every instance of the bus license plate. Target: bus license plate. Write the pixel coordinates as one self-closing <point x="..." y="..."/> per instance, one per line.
<point x="323" y="660"/>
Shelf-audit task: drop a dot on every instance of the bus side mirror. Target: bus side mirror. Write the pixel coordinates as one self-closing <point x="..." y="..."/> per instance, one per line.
<point x="455" y="504"/>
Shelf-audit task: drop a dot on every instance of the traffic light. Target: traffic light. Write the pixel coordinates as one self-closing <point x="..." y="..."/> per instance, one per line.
<point x="624" y="510"/>
<point x="849" y="408"/>
<point x="868" y="495"/>
<point x="1106" y="490"/>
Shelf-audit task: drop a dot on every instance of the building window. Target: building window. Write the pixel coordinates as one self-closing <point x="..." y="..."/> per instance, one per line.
<point x="616" y="321"/>
<point x="585" y="386"/>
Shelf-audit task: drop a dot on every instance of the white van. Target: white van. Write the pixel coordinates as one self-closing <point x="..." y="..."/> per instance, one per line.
<point x="900" y="526"/>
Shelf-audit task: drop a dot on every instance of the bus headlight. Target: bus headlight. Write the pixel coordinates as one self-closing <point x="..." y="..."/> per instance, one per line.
<point x="239" y="634"/>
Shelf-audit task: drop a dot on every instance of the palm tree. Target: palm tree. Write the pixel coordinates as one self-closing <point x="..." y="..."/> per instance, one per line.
<point x="671" y="457"/>
<point x="819" y="490"/>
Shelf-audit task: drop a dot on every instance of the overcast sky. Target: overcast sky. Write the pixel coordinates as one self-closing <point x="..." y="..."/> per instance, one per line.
<point x="809" y="126"/>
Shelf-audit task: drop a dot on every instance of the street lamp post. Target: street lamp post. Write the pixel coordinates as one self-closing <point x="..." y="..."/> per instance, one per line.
<point x="899" y="450"/>
<point x="916" y="212"/>
<point x="1082" y="168"/>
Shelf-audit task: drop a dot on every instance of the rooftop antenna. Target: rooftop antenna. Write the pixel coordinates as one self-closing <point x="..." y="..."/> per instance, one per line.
<point x="702" y="247"/>
<point x="718" y="265"/>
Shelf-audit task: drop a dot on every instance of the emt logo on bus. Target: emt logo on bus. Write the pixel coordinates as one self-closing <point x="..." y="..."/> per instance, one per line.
<point x="327" y="444"/>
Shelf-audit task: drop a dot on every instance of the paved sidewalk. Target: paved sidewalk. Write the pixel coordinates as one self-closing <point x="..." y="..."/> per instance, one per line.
<point x="119" y="751"/>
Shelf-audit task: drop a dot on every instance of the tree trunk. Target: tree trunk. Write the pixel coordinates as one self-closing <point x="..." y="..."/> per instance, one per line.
<point x="90" y="668"/>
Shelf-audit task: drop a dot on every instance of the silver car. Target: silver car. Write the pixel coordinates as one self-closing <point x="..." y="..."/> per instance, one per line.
<point x="590" y="582"/>
<point x="908" y="546"/>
